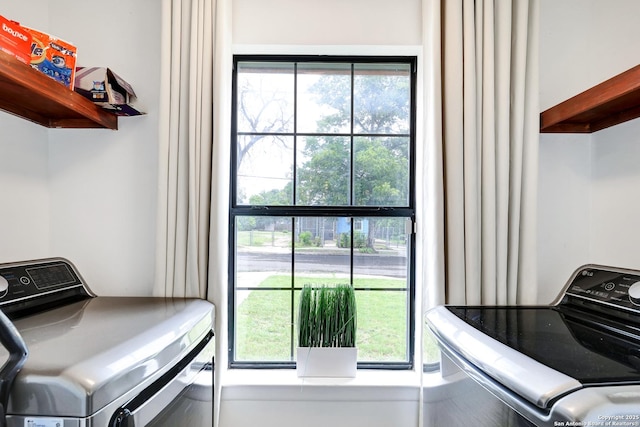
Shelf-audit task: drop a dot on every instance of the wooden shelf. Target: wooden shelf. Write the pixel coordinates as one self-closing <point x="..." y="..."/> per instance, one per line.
<point x="29" y="94"/>
<point x="613" y="101"/>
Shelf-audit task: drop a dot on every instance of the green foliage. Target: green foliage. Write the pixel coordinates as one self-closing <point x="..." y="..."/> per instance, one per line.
<point x="273" y="197"/>
<point x="324" y="178"/>
<point x="343" y="240"/>
<point x="246" y="223"/>
<point x="359" y="240"/>
<point x="381" y="172"/>
<point x="367" y="250"/>
<point x="327" y="316"/>
<point x="305" y="238"/>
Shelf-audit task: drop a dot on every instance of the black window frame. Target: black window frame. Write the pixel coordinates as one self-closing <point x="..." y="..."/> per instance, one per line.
<point x="237" y="210"/>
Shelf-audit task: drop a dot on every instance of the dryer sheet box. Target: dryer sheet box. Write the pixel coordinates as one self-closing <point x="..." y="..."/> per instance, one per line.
<point x="108" y="90"/>
<point x="15" y="40"/>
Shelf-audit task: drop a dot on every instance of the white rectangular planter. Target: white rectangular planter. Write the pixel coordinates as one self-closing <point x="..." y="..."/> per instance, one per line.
<point x="326" y="361"/>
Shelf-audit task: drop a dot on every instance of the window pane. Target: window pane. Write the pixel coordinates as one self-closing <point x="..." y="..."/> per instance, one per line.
<point x="265" y="94"/>
<point x="382" y="98"/>
<point x="265" y="170"/>
<point x="381" y="171"/>
<point x="263" y="324"/>
<point x="263" y="244"/>
<point x="319" y="257"/>
<point x="324" y="98"/>
<point x="382" y="321"/>
<point x="263" y="262"/>
<point x="381" y="276"/>
<point x="323" y="171"/>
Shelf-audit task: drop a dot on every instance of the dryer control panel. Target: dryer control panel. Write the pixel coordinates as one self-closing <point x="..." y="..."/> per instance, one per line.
<point x="607" y="285"/>
<point x="38" y="285"/>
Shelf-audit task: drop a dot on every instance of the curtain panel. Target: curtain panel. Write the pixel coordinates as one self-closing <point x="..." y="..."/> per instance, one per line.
<point x="480" y="184"/>
<point x="185" y="142"/>
<point x="193" y="163"/>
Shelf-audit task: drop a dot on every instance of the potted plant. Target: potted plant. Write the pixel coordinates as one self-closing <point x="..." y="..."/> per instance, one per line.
<point x="327" y="332"/>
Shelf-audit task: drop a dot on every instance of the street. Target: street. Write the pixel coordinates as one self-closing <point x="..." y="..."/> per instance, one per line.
<point x="371" y="264"/>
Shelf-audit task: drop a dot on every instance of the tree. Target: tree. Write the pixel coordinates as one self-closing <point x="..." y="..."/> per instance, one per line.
<point x="380" y="170"/>
<point x="272" y="197"/>
<point x="372" y="169"/>
<point x="381" y="173"/>
<point x="381" y="103"/>
<point x="324" y="178"/>
<point x="262" y="108"/>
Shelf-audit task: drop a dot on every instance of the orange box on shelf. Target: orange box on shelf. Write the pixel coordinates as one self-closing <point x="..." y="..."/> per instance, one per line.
<point x="15" y="40"/>
<point x="54" y="57"/>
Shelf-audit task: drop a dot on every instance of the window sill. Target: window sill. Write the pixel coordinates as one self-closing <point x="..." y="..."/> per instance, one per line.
<point x="284" y="384"/>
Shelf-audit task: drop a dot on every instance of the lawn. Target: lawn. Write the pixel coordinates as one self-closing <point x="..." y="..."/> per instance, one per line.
<point x="265" y="321"/>
<point x="263" y="238"/>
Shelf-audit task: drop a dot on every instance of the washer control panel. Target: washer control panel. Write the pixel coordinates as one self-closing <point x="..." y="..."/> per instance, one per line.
<point x="612" y="286"/>
<point x="21" y="281"/>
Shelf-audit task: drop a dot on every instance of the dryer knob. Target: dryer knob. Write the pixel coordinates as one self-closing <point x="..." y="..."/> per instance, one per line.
<point x="4" y="286"/>
<point x="634" y="293"/>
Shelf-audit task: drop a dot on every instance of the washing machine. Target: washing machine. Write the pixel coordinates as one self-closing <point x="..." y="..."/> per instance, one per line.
<point x="575" y="362"/>
<point x="75" y="359"/>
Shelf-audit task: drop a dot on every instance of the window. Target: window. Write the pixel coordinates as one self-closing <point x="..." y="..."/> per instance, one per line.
<point x="322" y="192"/>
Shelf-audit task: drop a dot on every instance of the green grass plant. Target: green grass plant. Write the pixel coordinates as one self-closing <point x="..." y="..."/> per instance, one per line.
<point x="327" y="316"/>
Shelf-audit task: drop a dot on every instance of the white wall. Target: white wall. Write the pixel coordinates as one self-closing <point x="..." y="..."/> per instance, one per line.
<point x="103" y="183"/>
<point x="88" y="195"/>
<point x="615" y="170"/>
<point x="588" y="184"/>
<point x="615" y="152"/>
<point x="326" y="22"/>
<point x="24" y="205"/>
<point x="280" y="400"/>
<point x="564" y="212"/>
<point x="564" y="168"/>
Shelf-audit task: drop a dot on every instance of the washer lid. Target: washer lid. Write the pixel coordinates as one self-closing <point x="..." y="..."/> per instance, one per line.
<point x="89" y="354"/>
<point x="524" y="376"/>
<point x="580" y="345"/>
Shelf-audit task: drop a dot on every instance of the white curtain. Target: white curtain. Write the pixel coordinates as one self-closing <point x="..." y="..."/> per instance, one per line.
<point x="192" y="224"/>
<point x="481" y="156"/>
<point x="185" y="149"/>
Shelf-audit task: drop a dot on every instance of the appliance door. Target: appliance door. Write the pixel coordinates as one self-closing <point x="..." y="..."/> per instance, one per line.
<point x="453" y="397"/>
<point x="465" y="395"/>
<point x="536" y="382"/>
<point x="182" y="396"/>
<point x="525" y="389"/>
<point x="546" y="366"/>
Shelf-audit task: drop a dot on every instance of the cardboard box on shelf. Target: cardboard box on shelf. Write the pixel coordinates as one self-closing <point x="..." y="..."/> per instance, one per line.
<point x="52" y="56"/>
<point x="14" y="40"/>
<point x="108" y="90"/>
